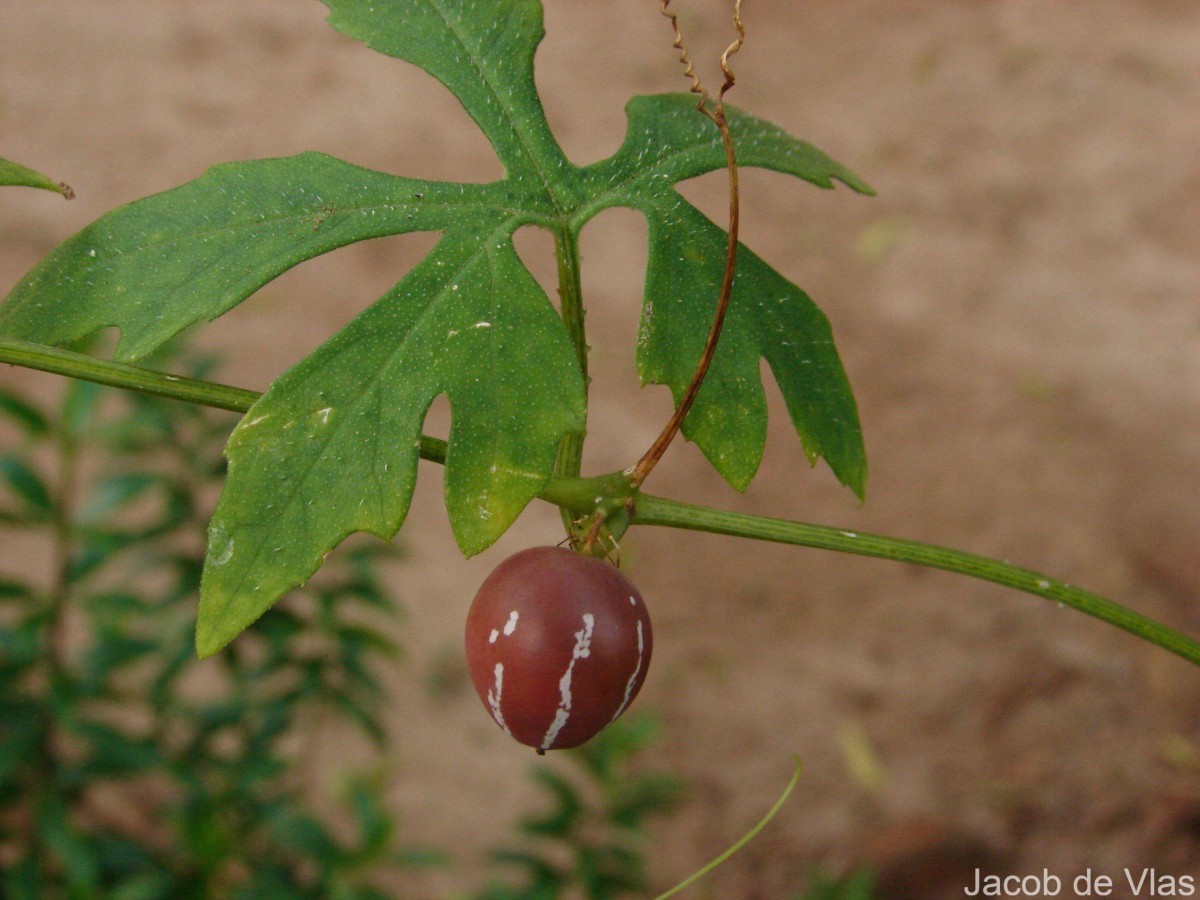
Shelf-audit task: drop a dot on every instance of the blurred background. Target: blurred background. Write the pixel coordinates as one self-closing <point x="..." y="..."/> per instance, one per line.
<point x="1018" y="312"/>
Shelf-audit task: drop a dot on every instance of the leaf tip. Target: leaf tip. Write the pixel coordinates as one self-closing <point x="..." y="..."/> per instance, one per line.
<point x="861" y="187"/>
<point x="208" y="642"/>
<point x="856" y="480"/>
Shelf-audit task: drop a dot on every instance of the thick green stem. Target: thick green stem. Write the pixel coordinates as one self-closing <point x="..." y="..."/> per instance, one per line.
<point x="660" y="511"/>
<point x="148" y="381"/>
<point x="579" y="495"/>
<point x="570" y="293"/>
<point x="133" y="378"/>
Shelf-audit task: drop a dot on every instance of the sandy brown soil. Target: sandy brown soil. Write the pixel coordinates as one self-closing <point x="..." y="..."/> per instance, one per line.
<point x="1018" y="311"/>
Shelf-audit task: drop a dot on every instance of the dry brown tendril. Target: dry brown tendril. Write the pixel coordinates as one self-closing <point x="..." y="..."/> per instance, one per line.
<point x="715" y="111"/>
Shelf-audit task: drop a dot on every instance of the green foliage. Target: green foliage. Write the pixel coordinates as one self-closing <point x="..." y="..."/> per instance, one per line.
<point x="12" y="173"/>
<point x="859" y="885"/>
<point x="130" y="770"/>
<point x="591" y="839"/>
<point x="333" y="443"/>
<point x="127" y="768"/>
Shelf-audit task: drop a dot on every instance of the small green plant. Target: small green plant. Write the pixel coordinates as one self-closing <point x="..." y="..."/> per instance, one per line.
<point x="591" y="841"/>
<point x="127" y="768"/>
<point x="859" y="885"/>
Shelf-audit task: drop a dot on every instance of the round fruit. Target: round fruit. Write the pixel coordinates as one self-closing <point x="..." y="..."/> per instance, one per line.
<point x="558" y="644"/>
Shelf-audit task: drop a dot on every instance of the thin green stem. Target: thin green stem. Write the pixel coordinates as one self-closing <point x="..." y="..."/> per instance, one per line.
<point x="578" y="495"/>
<point x="742" y="841"/>
<point x="570" y="292"/>
<point x="64" y="545"/>
<point x="54" y="652"/>
<point x="651" y="510"/>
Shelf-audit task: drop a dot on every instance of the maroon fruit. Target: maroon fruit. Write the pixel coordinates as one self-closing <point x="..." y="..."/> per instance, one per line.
<point x="558" y="644"/>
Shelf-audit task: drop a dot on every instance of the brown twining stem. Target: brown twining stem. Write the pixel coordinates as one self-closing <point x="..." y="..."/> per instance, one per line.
<point x="715" y="112"/>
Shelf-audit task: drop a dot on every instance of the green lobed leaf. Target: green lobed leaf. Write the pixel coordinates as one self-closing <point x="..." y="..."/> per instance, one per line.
<point x="769" y="317"/>
<point x="669" y="140"/>
<point x="155" y="266"/>
<point x="469" y="322"/>
<point x="330" y="448"/>
<point x="482" y="50"/>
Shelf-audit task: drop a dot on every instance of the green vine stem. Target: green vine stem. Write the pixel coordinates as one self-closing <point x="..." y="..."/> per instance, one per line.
<point x="661" y="511"/>
<point x="581" y="494"/>
<point x="133" y="378"/>
<point x="743" y="840"/>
